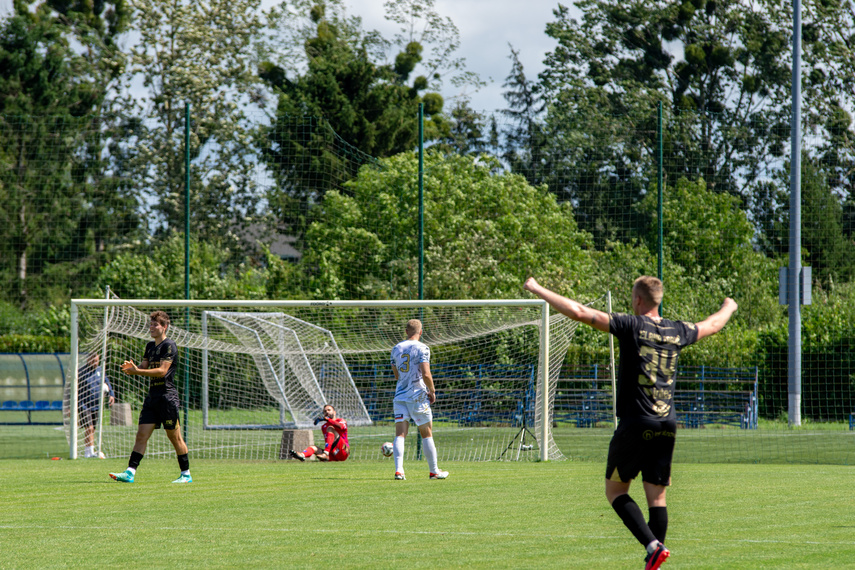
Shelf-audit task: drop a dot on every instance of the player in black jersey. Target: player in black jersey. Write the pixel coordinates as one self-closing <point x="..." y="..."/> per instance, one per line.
<point x="644" y="439"/>
<point x="162" y="404"/>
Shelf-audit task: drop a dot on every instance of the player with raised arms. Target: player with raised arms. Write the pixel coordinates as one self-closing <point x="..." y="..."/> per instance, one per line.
<point x="644" y="439"/>
<point x="336" y="446"/>
<point x="414" y="394"/>
<point x="161" y="405"/>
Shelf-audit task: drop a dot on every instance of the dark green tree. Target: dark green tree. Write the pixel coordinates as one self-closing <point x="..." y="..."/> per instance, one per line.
<point x="347" y="103"/>
<point x="721" y="70"/>
<point x="523" y="137"/>
<point x="53" y="83"/>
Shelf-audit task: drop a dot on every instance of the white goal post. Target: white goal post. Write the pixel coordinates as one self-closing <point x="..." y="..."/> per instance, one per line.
<point x="254" y="368"/>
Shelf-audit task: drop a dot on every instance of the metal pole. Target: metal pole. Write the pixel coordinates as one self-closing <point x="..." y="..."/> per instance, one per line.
<point x="794" y="344"/>
<point x="659" y="183"/>
<point x="184" y="366"/>
<point x="103" y="376"/>
<point x="545" y="419"/>
<point x="421" y="231"/>
<point x="74" y="413"/>
<point x="421" y="201"/>
<point x="612" y="362"/>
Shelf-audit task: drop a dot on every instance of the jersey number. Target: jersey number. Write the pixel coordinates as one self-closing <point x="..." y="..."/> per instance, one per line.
<point x="661" y="363"/>
<point x="405" y="366"/>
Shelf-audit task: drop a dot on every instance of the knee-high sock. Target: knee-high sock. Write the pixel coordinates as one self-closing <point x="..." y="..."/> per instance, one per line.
<point x="658" y="522"/>
<point x="430" y="453"/>
<point x="398" y="453"/>
<point x="631" y="515"/>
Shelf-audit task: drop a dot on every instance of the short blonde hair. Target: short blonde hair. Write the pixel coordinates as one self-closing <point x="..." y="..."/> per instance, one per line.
<point x="649" y="289"/>
<point x="414" y="326"/>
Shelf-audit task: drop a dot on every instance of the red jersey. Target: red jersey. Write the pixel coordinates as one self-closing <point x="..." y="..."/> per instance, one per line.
<point x="337" y="428"/>
<point x="335" y="438"/>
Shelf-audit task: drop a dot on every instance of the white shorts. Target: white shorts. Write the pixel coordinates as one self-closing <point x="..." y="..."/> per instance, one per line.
<point x="419" y="412"/>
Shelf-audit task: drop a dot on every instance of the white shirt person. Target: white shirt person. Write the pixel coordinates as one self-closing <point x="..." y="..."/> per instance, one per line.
<point x="414" y="394"/>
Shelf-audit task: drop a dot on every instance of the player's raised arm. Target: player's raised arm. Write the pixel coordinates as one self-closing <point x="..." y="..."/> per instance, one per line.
<point x="573" y="309"/>
<point x="716" y="321"/>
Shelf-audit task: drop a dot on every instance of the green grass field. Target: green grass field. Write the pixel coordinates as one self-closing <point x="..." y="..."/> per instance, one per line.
<point x="66" y="514"/>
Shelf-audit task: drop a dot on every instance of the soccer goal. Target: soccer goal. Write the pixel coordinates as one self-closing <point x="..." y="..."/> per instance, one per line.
<point x="250" y="369"/>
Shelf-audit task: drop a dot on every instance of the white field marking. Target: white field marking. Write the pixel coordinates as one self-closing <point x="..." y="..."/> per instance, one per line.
<point x="419" y="532"/>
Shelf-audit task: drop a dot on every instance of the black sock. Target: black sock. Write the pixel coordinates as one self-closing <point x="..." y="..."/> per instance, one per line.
<point x="658" y="522"/>
<point x="135" y="459"/>
<point x="183" y="462"/>
<point x="632" y="517"/>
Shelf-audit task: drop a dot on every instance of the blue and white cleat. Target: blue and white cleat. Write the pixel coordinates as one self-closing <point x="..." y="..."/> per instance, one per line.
<point x="123" y="477"/>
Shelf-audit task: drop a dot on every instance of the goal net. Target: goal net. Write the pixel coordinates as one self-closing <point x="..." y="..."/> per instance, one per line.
<point x="250" y="370"/>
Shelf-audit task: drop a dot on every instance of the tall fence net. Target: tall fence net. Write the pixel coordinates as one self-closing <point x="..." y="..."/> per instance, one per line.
<point x="575" y="202"/>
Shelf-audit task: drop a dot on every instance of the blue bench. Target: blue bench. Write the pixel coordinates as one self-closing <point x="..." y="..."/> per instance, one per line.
<point x="29" y="407"/>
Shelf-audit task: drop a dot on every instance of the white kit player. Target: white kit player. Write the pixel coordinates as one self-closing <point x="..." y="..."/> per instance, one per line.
<point x="414" y="394"/>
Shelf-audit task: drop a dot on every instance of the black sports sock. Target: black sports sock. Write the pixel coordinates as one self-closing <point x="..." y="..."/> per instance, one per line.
<point x="135" y="459"/>
<point x="631" y="515"/>
<point x="658" y="522"/>
<point x="183" y="462"/>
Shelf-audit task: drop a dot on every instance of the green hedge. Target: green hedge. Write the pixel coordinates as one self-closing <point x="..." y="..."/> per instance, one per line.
<point x="34" y="343"/>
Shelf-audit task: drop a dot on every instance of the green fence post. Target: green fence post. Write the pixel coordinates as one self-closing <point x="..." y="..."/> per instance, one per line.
<point x="184" y="366"/>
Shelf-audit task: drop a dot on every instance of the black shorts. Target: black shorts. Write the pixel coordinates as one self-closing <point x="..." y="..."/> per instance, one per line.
<point x="88" y="417"/>
<point x="161" y="409"/>
<point x="645" y="446"/>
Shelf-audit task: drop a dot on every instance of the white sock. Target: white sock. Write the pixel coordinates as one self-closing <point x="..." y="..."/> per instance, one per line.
<point x="652" y="546"/>
<point x="398" y="453"/>
<point x="430" y="453"/>
<point x="132" y="471"/>
<point x="187" y="472"/>
<point x="89" y="452"/>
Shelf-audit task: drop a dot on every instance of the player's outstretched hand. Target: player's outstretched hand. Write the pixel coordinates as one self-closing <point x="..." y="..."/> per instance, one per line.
<point x="530" y="284"/>
<point x="319" y="420"/>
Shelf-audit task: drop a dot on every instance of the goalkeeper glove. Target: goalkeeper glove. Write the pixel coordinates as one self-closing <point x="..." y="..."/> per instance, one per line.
<point x="319" y="420"/>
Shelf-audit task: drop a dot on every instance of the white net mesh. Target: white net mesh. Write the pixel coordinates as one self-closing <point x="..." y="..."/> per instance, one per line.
<point x="249" y="371"/>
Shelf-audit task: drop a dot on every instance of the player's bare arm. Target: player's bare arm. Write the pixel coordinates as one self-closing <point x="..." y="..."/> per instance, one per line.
<point x="573" y="309"/>
<point x="428" y="379"/>
<point x="128" y="367"/>
<point x="715" y="322"/>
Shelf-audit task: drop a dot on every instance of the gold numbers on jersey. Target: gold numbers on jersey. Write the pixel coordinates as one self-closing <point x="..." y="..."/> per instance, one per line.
<point x="405" y="366"/>
<point x="657" y="362"/>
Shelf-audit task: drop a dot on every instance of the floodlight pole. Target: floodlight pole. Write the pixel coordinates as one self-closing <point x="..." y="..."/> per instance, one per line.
<point x="794" y="343"/>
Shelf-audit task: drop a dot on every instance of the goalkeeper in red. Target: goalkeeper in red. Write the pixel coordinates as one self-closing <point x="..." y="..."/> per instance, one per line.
<point x="336" y="446"/>
<point x="644" y="439"/>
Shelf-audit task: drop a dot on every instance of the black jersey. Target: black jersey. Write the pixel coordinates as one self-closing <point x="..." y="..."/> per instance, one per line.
<point x="648" y="363"/>
<point x="155" y="354"/>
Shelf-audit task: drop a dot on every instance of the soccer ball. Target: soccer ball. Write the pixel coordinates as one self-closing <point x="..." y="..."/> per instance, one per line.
<point x="387" y="449"/>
